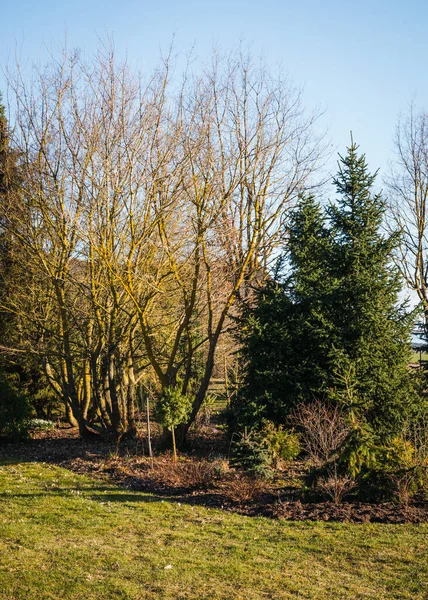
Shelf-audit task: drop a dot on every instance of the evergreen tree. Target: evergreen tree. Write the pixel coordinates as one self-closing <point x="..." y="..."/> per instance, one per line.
<point x="24" y="369"/>
<point x="310" y="286"/>
<point x="9" y="193"/>
<point x="14" y="405"/>
<point x="373" y="348"/>
<point x="334" y="327"/>
<point x="287" y="336"/>
<point x="262" y="331"/>
<point x="7" y="173"/>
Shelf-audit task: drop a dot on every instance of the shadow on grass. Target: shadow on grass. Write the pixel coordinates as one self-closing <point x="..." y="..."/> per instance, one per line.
<point x="84" y="458"/>
<point x="104" y="495"/>
<point x="86" y="494"/>
<point x="62" y="451"/>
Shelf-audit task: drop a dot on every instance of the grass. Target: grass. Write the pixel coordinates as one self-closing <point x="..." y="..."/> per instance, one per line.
<point x="416" y="356"/>
<point x="64" y="535"/>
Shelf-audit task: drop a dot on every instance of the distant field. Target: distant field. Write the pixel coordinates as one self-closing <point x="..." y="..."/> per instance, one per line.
<point x="416" y="356"/>
<point x="67" y="536"/>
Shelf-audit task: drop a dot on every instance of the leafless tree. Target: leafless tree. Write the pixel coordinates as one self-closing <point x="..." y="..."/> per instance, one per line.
<point x="408" y="196"/>
<point x="148" y="207"/>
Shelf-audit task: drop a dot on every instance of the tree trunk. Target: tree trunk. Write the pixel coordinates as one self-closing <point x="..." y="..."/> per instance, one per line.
<point x="130" y="398"/>
<point x="69" y="415"/>
<point x="87" y="396"/>
<point x="182" y="430"/>
<point x="174" y="446"/>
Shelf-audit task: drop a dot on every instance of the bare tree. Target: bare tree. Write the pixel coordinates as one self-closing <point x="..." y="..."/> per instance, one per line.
<point x="247" y="150"/>
<point x="70" y="137"/>
<point x="408" y="197"/>
<point x="147" y="209"/>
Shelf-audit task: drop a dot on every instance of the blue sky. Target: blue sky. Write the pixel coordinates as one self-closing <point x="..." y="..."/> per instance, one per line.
<point x="361" y="62"/>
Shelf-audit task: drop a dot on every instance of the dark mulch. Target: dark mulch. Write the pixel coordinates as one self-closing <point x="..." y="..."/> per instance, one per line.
<point x="126" y="465"/>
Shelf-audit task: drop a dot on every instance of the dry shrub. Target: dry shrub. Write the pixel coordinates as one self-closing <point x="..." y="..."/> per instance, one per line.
<point x="243" y="488"/>
<point x="405" y="483"/>
<point x="418" y="436"/>
<point x="189" y="474"/>
<point x="336" y="485"/>
<point x="324" y="429"/>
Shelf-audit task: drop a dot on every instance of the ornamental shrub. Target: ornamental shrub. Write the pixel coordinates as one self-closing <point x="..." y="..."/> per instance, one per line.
<point x="172" y="409"/>
<point x="250" y="454"/>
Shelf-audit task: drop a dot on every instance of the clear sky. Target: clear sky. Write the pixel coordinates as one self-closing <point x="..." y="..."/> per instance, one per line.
<point x="362" y="62"/>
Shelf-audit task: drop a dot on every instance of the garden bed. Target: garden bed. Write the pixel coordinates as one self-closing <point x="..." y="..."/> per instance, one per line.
<point x="204" y="481"/>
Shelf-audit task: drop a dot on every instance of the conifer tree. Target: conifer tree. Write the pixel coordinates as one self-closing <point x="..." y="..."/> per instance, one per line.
<point x="333" y="328"/>
<point x="10" y="191"/>
<point x="23" y="368"/>
<point x="8" y="181"/>
<point x="310" y="287"/>
<point x="287" y="336"/>
<point x="373" y="348"/>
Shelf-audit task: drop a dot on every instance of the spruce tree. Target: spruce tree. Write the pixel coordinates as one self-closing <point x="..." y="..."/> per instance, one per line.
<point x="372" y="351"/>
<point x="333" y="329"/>
<point x="310" y="286"/>
<point x="287" y="335"/>
<point x="10" y="193"/>
<point x="8" y="184"/>
<point x="24" y="370"/>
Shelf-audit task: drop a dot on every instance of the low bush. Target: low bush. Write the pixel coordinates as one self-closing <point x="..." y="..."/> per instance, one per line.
<point x="189" y="474"/>
<point x="282" y="444"/>
<point x="260" y="452"/>
<point x="14" y="410"/>
<point x="335" y="484"/>
<point x="251" y="454"/>
<point x="244" y="489"/>
<point x="406" y="469"/>
<point x="324" y="429"/>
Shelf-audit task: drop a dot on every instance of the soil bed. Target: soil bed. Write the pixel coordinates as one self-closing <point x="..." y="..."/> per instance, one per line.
<point x="198" y="481"/>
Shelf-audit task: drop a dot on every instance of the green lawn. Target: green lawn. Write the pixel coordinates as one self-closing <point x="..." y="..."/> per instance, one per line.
<point x="64" y="535"/>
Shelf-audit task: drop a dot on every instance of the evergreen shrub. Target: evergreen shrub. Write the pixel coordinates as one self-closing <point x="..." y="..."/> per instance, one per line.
<point x="15" y="410"/>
